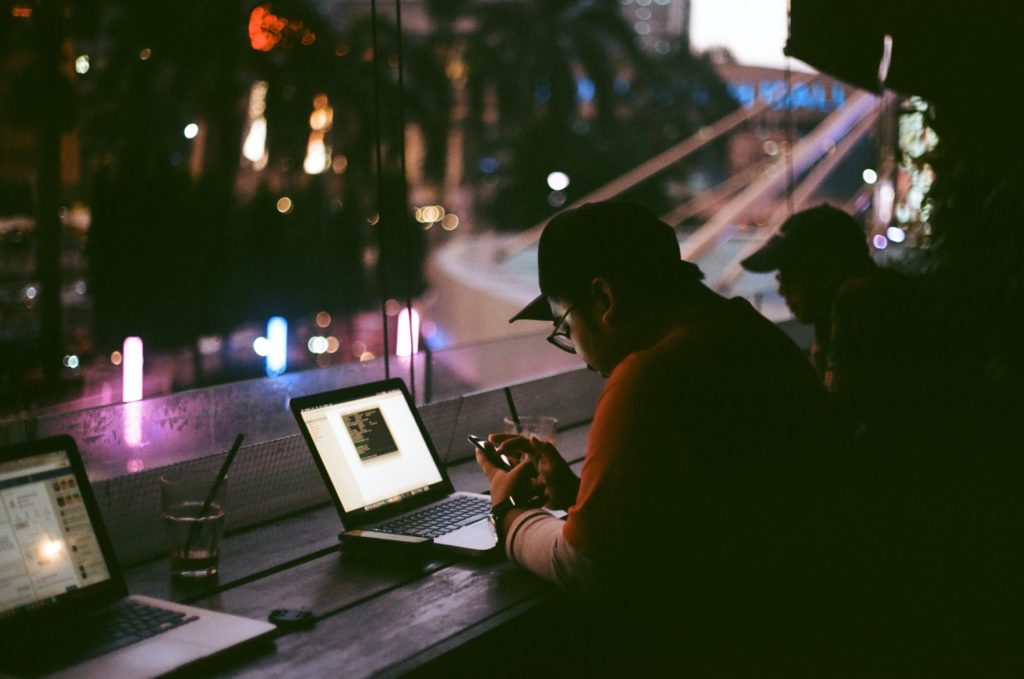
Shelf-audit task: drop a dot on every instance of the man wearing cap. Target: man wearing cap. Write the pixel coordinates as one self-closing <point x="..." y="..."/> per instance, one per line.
<point x="872" y="331"/>
<point x="703" y="476"/>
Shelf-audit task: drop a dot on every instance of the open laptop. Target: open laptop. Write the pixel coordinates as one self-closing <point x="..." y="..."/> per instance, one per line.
<point x="64" y="606"/>
<point x="382" y="471"/>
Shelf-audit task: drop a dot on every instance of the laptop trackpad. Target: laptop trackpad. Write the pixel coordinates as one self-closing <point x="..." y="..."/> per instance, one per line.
<point x="478" y="537"/>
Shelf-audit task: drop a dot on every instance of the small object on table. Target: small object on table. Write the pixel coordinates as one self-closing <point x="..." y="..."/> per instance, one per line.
<point x="363" y="542"/>
<point x="289" y="619"/>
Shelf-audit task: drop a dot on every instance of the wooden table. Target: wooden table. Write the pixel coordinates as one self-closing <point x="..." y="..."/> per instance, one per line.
<point x="375" y="616"/>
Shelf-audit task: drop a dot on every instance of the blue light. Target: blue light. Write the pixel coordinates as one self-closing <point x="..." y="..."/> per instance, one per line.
<point x="488" y="164"/>
<point x="277" y="335"/>
<point x="621" y="85"/>
<point x="744" y="93"/>
<point x="813" y="97"/>
<point x="585" y="89"/>
<point x="838" y="95"/>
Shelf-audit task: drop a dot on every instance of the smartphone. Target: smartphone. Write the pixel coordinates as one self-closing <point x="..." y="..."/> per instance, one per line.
<point x="491" y="453"/>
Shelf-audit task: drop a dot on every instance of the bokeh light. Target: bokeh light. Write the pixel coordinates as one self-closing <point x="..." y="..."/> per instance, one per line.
<point x="558" y="181"/>
<point x="556" y="198"/>
<point x="450" y="222"/>
<point x="895" y="234"/>
<point x="277" y="336"/>
<point x="317" y="344"/>
<point x="261" y="345"/>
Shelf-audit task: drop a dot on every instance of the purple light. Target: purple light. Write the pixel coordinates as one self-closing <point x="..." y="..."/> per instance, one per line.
<point x="879" y="241"/>
<point x="131" y="386"/>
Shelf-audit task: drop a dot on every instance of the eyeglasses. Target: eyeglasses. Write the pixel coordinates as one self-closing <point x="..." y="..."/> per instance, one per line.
<point x="560" y="335"/>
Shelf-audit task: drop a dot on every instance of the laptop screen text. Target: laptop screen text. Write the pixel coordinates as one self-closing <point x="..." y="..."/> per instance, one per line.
<point x="372" y="449"/>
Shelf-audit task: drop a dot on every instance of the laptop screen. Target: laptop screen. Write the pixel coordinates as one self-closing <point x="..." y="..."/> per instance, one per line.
<point x="48" y="546"/>
<point x="372" y="449"/>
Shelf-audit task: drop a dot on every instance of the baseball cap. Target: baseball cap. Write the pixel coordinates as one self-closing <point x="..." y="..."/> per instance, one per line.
<point x="606" y="238"/>
<point x="819" y="229"/>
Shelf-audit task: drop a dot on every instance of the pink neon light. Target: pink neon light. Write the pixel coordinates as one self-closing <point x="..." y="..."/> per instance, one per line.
<point x="133" y="428"/>
<point x="402" y="343"/>
<point x="131" y="366"/>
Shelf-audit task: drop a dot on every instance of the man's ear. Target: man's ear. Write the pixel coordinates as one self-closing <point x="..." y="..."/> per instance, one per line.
<point x="603" y="300"/>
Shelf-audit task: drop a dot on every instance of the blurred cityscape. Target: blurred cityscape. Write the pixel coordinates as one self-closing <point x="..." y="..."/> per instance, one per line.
<point x="251" y="188"/>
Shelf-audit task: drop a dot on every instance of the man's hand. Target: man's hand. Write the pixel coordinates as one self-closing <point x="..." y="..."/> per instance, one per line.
<point x="517" y="482"/>
<point x="554" y="479"/>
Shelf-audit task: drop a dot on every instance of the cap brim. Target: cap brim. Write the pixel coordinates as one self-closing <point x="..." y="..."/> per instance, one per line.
<point x="537" y="310"/>
<point x="768" y="258"/>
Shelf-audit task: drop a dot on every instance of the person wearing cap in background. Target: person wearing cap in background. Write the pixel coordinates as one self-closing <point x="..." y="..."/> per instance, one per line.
<point x="704" y="474"/>
<point x="874" y="331"/>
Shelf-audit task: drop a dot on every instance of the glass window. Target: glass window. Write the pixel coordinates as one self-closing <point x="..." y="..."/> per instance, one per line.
<point x="225" y="191"/>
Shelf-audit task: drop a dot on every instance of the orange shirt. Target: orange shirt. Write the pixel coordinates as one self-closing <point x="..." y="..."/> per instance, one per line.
<point x="701" y="449"/>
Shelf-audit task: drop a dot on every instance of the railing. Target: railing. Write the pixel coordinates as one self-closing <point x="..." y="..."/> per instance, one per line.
<point x="648" y="168"/>
<point x="801" y="195"/>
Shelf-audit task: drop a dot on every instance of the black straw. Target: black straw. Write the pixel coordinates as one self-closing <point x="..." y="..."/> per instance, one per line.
<point x="512" y="410"/>
<point x="221" y="475"/>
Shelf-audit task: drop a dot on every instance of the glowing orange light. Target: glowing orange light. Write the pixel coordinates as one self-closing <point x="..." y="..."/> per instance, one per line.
<point x="21" y="11"/>
<point x="262" y="37"/>
<point x="268" y="30"/>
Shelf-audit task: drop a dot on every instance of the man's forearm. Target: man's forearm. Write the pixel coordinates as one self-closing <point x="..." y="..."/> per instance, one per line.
<point x="533" y="539"/>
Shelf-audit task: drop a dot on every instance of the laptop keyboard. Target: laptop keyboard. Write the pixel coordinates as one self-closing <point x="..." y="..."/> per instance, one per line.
<point x="127" y="623"/>
<point x="439" y="519"/>
<point x="122" y="624"/>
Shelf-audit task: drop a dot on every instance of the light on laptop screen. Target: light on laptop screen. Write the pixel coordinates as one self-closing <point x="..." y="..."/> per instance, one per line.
<point x="47" y="544"/>
<point x="373" y="450"/>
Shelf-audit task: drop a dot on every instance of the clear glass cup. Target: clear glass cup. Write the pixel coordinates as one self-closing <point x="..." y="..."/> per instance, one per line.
<point x="543" y="427"/>
<point x="194" y="535"/>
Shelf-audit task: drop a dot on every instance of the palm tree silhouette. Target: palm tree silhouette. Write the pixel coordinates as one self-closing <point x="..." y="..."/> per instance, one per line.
<point x="563" y="86"/>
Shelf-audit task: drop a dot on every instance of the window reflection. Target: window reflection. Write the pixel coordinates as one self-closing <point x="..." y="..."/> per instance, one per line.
<point x="251" y="163"/>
